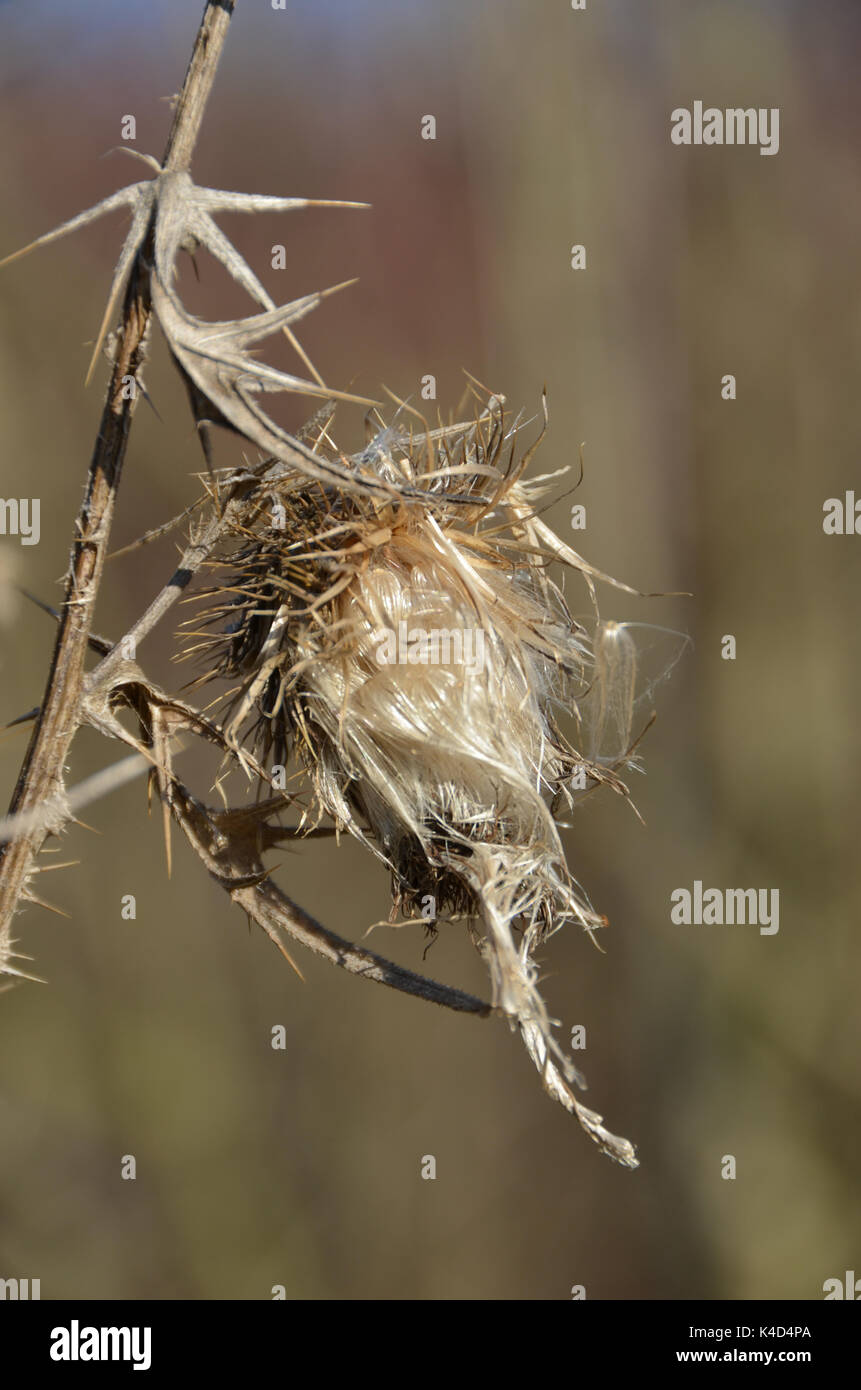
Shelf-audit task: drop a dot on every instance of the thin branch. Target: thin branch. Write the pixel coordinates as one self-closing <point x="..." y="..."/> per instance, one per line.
<point x="197" y="85"/>
<point x="41" y="777"/>
<point x="229" y="844"/>
<point x="190" y="561"/>
<point x="274" y="911"/>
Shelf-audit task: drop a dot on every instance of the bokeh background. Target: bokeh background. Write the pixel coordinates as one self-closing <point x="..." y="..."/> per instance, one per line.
<point x="151" y="1037"/>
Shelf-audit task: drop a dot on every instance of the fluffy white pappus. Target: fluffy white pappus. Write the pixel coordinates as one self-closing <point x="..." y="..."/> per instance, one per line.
<point x="446" y="767"/>
<point x="419" y="660"/>
<point x="434" y="690"/>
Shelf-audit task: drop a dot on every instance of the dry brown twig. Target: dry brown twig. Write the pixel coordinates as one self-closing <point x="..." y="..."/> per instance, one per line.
<point x="41" y="779"/>
<point x="452" y="781"/>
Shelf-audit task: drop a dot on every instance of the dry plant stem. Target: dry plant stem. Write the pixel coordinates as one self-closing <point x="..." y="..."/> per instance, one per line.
<point x="41" y="777"/>
<point x="239" y="871"/>
<point x="197" y="85"/>
<point x="190" y="561"/>
<point x="273" y="911"/>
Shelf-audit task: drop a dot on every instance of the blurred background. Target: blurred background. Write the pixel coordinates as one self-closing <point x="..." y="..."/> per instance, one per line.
<point x="151" y="1037"/>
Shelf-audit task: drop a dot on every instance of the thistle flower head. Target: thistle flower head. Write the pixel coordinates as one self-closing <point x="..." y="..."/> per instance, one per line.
<point x="417" y="658"/>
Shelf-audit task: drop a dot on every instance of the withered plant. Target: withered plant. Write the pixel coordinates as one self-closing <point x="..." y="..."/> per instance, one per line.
<point x="320" y="580"/>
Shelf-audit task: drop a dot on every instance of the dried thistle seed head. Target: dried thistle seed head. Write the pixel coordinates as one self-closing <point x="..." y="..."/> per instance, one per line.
<point x="417" y="658"/>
